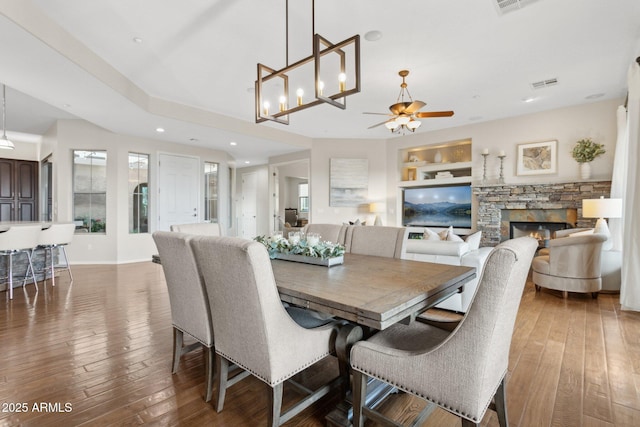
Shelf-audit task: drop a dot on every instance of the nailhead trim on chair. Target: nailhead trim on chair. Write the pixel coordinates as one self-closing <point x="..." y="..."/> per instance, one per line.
<point x="448" y="408"/>
<point x="278" y="381"/>
<point x="191" y="335"/>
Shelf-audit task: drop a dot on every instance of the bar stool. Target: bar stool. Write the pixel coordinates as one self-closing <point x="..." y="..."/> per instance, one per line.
<point x="17" y="239"/>
<point x="56" y="236"/>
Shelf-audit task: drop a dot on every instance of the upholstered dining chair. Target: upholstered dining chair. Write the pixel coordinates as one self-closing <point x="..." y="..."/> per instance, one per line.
<point x="334" y="233"/>
<point x="199" y="228"/>
<point x="377" y="241"/>
<point x="573" y="264"/>
<point x="190" y="313"/>
<point x="460" y="370"/>
<point x="252" y="328"/>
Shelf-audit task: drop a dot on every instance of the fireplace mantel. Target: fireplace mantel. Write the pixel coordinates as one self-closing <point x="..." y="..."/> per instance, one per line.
<point x="492" y="199"/>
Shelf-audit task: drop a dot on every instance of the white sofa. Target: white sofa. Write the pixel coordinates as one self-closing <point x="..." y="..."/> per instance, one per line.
<point x="448" y="252"/>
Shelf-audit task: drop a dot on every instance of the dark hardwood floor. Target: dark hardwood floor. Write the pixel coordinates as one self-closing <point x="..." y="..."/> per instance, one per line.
<point x="98" y="352"/>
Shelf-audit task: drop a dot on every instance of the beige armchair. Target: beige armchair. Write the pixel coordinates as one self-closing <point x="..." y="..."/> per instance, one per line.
<point x="461" y="370"/>
<point x="252" y="328"/>
<point x="573" y="264"/>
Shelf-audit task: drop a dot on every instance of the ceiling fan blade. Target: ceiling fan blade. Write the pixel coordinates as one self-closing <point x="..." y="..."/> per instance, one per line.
<point x="414" y="106"/>
<point x="428" y="114"/>
<point x="377" y="124"/>
<point x="379" y="114"/>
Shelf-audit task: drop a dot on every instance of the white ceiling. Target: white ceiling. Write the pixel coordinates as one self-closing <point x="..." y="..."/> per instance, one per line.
<point x="193" y="71"/>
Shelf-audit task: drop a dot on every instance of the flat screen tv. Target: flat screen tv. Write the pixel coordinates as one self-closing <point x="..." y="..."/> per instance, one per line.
<point x="441" y="206"/>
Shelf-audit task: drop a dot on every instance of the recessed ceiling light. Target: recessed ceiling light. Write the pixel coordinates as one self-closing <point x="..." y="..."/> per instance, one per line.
<point x="137" y="40"/>
<point x="233" y="143"/>
<point x="373" y="35"/>
<point x="159" y="130"/>
<point x="246" y="162"/>
<point x="527" y="100"/>
<point x="595" y="96"/>
<point x="66" y="105"/>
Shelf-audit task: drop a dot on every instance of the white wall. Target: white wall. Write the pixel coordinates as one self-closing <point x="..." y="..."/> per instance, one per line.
<point x="117" y="245"/>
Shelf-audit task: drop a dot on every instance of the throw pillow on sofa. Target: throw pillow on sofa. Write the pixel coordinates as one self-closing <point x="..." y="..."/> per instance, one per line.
<point x="449" y="235"/>
<point x="474" y="240"/>
<point x="430" y="235"/>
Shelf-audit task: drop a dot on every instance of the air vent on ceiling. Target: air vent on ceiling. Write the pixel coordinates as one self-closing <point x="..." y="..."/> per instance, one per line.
<point x="505" y="6"/>
<point x="544" y="83"/>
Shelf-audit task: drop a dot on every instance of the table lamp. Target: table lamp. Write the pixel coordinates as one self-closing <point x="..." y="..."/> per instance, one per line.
<point x="602" y="208"/>
<point x="377" y="208"/>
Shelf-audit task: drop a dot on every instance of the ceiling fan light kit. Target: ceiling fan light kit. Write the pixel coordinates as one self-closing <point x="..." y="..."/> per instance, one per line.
<point x="274" y="84"/>
<point x="405" y="113"/>
<point x="5" y="143"/>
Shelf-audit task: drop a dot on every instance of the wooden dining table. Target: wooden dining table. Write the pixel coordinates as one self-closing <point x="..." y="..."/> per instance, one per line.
<point x="368" y="290"/>
<point x="371" y="292"/>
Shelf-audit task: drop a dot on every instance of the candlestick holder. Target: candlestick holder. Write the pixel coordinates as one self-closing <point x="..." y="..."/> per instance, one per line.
<point x="484" y="167"/>
<point x="501" y="178"/>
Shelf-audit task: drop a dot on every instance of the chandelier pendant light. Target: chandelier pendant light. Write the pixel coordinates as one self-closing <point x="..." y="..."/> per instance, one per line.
<point x="272" y="87"/>
<point x="4" y="141"/>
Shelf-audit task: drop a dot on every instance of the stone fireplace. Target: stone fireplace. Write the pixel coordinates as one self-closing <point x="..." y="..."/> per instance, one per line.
<point x="533" y="207"/>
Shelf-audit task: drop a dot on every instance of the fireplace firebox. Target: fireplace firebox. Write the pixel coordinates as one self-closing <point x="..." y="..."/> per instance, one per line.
<point x="542" y="231"/>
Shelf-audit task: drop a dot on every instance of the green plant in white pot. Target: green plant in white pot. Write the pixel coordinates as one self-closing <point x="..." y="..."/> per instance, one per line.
<point x="584" y="152"/>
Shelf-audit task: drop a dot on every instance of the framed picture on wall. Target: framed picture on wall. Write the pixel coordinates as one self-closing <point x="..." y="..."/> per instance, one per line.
<point x="537" y="158"/>
<point x="349" y="182"/>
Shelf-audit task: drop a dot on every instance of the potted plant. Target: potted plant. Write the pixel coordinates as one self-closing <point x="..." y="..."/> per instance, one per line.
<point x="584" y="152"/>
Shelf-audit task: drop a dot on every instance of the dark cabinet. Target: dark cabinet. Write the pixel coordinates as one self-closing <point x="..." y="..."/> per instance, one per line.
<point x="18" y="190"/>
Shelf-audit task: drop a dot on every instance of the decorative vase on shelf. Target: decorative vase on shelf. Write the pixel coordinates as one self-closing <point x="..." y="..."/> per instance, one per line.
<point x="585" y="170"/>
<point x="437" y="158"/>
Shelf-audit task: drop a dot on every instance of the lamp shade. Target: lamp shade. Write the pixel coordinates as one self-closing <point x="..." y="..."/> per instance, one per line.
<point x="602" y="208"/>
<point x="377" y="207"/>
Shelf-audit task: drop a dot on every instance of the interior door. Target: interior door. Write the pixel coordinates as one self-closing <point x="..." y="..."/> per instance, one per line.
<point x="179" y="190"/>
<point x="249" y="205"/>
<point x="18" y="190"/>
<point x="27" y="197"/>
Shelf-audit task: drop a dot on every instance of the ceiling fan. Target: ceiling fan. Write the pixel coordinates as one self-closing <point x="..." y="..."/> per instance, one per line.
<point x="404" y="113"/>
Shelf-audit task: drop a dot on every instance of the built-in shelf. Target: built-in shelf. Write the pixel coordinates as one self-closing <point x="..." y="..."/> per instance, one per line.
<point x="443" y="164"/>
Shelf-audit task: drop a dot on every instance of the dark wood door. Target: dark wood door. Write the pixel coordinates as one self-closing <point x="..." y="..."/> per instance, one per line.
<point x="18" y="190"/>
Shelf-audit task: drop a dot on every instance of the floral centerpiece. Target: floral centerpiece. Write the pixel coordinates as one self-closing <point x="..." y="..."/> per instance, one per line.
<point x="310" y="249"/>
<point x="584" y="152"/>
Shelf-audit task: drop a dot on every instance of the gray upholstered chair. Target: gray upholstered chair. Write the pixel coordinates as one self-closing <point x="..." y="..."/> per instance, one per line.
<point x="378" y="241"/>
<point x="461" y="370"/>
<point x="334" y="233"/>
<point x="199" y="228"/>
<point x="573" y="264"/>
<point x="252" y="328"/>
<point x="190" y="311"/>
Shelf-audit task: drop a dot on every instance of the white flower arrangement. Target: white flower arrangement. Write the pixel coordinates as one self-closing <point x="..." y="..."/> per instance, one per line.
<point x="310" y="246"/>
